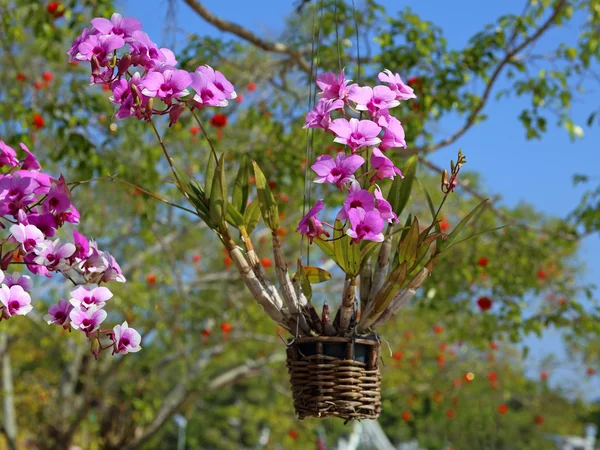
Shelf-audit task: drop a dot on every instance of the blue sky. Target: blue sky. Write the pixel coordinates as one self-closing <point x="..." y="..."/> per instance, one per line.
<point x="539" y="172"/>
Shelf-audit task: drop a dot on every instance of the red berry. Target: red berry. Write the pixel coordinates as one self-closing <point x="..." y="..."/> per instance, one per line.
<point x="251" y="86"/>
<point x="226" y="327"/>
<point x="442" y="347"/>
<point x="406" y="416"/>
<point x="591" y="371"/>
<point x="541" y="275"/>
<point x="206" y="332"/>
<point x="195" y="130"/>
<point x="38" y="121"/>
<point x="196" y="258"/>
<point x="239" y="98"/>
<point x="484" y="303"/>
<point x="492" y="376"/>
<point x="47" y="76"/>
<point x="38" y="85"/>
<point x="494" y="345"/>
<point x="56" y="9"/>
<point x="441" y="360"/>
<point x="151" y="278"/>
<point x="398" y="355"/>
<point x="503" y="409"/>
<point x="407" y="335"/>
<point x="266" y="263"/>
<point x="539" y="420"/>
<point x="227" y="261"/>
<point x="483" y="262"/>
<point x="450" y="414"/>
<point x="544" y="375"/>
<point x="413" y="80"/>
<point x="293" y="434"/>
<point x="444" y="225"/>
<point x="219" y="120"/>
<point x="272" y="184"/>
<point x="438" y="329"/>
<point x="21" y="77"/>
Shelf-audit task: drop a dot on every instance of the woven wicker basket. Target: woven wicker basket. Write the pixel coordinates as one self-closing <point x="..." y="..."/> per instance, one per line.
<point x="335" y="377"/>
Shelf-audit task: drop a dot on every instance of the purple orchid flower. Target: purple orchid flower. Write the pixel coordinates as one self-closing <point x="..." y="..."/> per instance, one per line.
<point x="320" y="116"/>
<point x="53" y="255"/>
<point x="87" y="320"/>
<point x="83" y="297"/>
<point x="212" y="88"/>
<point x="145" y="53"/>
<point x="365" y="226"/>
<point x="112" y="271"/>
<point x="8" y="156"/>
<point x="355" y="133"/>
<point x="401" y="90"/>
<point x="82" y="245"/>
<point x="74" y="50"/>
<point x="18" y="279"/>
<point x="46" y="223"/>
<point x="126" y="339"/>
<point x="357" y="199"/>
<point x="15" y="300"/>
<point x="393" y="136"/>
<point x="117" y="25"/>
<point x="16" y="193"/>
<point x="384" y="166"/>
<point x="374" y="100"/>
<point x="129" y="96"/>
<point x="335" y="86"/>
<point x="166" y="83"/>
<point x="30" y="162"/>
<point x="99" y="46"/>
<point x="310" y="225"/>
<point x="384" y="207"/>
<point x="29" y="236"/>
<point x="339" y="170"/>
<point x="59" y="314"/>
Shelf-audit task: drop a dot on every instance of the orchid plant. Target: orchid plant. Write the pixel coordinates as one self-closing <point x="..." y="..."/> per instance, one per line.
<point x="146" y="82"/>
<point x="33" y="207"/>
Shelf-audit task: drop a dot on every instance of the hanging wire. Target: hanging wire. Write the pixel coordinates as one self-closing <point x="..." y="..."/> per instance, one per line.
<point x="357" y="43"/>
<point x="314" y="61"/>
<point x="337" y="35"/>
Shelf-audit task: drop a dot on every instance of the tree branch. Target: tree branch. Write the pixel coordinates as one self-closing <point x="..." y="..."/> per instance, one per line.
<point x="490" y="84"/>
<point x="247" y="35"/>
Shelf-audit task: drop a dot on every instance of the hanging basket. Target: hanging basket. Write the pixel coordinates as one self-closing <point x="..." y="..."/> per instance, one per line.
<point x="335" y="377"/>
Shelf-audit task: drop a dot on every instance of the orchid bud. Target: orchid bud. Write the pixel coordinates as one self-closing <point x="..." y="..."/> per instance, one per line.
<point x="113" y="61"/>
<point x="444" y="179"/>
<point x="95" y="66"/>
<point x="135" y="93"/>
<point x="124" y="64"/>
<point x="96" y="347"/>
<point x="149" y="106"/>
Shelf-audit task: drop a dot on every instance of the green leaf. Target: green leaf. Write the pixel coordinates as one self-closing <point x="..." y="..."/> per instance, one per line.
<point x="210" y="173"/>
<point x="218" y="198"/>
<point x="252" y="216"/>
<point x="316" y="275"/>
<point x="477" y="234"/>
<point x="234" y="217"/>
<point x="241" y="187"/>
<point x="302" y="276"/>
<point x="401" y="187"/>
<point x="268" y="205"/>
<point x="409" y="245"/>
<point x="340" y="245"/>
<point x="366" y="251"/>
<point x="452" y="236"/>
<point x="433" y="213"/>
<point x="326" y="247"/>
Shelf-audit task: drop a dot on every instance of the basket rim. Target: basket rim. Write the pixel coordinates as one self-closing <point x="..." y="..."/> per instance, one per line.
<point x="364" y="341"/>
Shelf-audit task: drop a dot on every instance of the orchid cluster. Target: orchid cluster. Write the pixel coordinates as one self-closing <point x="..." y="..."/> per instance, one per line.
<point x="33" y="206"/>
<point x="139" y="73"/>
<point x="365" y="210"/>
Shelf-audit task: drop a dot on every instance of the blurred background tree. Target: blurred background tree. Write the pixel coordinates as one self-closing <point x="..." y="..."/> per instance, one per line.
<point x="208" y="352"/>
